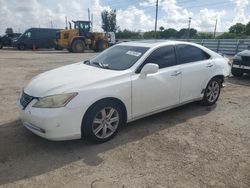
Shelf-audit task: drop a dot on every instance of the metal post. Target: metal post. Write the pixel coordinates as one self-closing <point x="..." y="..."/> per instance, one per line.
<point x="156" y="17"/>
<point x="218" y="45"/>
<point x="237" y="46"/>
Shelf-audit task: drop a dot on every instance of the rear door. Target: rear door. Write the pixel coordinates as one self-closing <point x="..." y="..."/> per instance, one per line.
<point x="159" y="90"/>
<point x="196" y="67"/>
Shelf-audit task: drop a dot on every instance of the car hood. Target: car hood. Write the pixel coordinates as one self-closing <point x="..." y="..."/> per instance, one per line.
<point x="70" y="78"/>
<point x="244" y="53"/>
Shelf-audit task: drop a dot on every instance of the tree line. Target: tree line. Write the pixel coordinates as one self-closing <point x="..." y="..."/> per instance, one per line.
<point x="109" y="24"/>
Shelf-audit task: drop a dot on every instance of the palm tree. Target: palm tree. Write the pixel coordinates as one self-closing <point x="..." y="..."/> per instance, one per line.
<point x="162" y="28"/>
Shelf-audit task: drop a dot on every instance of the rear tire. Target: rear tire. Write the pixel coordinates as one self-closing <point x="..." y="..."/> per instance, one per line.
<point x="78" y="46"/>
<point x="212" y="92"/>
<point x="237" y="73"/>
<point x="102" y="121"/>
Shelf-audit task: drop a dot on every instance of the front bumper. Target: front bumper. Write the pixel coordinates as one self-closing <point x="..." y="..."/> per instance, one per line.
<point x="52" y="123"/>
<point x="241" y="68"/>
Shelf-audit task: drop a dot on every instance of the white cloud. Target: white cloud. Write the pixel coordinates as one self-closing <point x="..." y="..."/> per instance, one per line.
<point x="240" y="15"/>
<point x="134" y="19"/>
<point x="34" y="13"/>
<point x="207" y="19"/>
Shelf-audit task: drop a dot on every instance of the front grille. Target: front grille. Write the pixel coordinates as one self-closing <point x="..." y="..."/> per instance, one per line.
<point x="25" y="100"/>
<point x="245" y="60"/>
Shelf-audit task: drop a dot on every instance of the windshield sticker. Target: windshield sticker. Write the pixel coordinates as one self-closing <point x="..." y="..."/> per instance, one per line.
<point x="133" y="53"/>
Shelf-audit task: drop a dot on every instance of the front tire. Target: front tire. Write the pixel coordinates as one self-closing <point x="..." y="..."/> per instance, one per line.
<point x="78" y="46"/>
<point x="212" y="92"/>
<point x="102" y="121"/>
<point x="21" y="47"/>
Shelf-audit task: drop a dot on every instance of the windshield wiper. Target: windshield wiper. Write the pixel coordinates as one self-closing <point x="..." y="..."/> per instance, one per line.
<point x="87" y="62"/>
<point x="104" y="66"/>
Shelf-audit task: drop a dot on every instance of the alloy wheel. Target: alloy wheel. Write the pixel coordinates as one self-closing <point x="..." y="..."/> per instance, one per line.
<point x="105" y="122"/>
<point x="213" y="91"/>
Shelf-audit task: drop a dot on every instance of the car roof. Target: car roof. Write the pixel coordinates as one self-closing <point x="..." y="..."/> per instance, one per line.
<point x="152" y="43"/>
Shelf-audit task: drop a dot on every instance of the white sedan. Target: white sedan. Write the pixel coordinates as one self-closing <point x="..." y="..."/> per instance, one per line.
<point x="128" y="81"/>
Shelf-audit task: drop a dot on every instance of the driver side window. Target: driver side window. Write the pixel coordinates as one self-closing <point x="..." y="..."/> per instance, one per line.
<point x="84" y="26"/>
<point x="28" y="34"/>
<point x="163" y="56"/>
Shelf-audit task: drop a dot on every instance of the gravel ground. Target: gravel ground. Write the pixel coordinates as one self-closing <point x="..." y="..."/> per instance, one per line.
<point x="190" y="146"/>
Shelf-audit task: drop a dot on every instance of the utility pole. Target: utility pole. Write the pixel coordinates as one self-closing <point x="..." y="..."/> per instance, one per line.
<point x="92" y="20"/>
<point x="89" y="14"/>
<point x="66" y="21"/>
<point x="215" y="27"/>
<point x="156" y="17"/>
<point x="51" y="24"/>
<point x="189" y="26"/>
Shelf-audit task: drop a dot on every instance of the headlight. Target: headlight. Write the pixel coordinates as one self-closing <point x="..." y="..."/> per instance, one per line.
<point x="54" y="101"/>
<point x="237" y="57"/>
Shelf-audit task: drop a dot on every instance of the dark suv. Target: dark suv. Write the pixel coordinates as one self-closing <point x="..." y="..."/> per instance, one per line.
<point x="6" y="40"/>
<point x="241" y="63"/>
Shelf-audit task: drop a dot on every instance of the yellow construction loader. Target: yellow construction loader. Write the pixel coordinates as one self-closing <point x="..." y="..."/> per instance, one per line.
<point x="79" y="38"/>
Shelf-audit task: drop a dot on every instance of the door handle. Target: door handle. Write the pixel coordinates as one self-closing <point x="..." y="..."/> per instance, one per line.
<point x="176" y="73"/>
<point x="210" y="65"/>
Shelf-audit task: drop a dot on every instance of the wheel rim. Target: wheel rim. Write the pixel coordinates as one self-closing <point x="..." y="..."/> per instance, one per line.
<point x="213" y="91"/>
<point x="79" y="47"/>
<point x="104" y="46"/>
<point x="105" y="123"/>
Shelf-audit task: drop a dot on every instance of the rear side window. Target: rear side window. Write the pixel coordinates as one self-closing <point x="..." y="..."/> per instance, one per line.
<point x="189" y="53"/>
<point x="163" y="56"/>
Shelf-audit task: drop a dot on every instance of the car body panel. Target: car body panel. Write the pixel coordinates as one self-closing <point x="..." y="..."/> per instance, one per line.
<point x="194" y="78"/>
<point x="140" y="95"/>
<point x="156" y="91"/>
<point x="241" y="62"/>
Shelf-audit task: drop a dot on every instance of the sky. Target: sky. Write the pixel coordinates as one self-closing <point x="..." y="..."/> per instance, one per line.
<point x="133" y="15"/>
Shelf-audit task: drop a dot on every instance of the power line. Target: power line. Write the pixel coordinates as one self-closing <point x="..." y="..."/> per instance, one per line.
<point x="114" y="3"/>
<point x="208" y="4"/>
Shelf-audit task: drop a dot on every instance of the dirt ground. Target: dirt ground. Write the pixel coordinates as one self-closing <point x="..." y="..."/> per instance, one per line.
<point x="191" y="146"/>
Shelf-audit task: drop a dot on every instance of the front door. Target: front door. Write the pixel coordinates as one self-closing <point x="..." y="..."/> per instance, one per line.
<point x="160" y="90"/>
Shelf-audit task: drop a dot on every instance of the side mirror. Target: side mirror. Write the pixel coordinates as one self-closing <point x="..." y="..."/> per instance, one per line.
<point x="149" y="68"/>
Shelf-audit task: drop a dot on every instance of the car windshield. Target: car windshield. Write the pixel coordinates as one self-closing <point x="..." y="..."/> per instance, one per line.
<point x="118" y="57"/>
